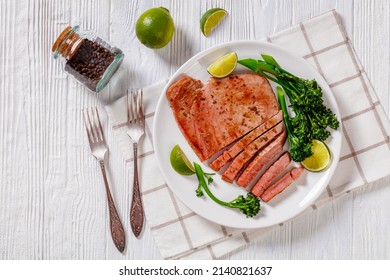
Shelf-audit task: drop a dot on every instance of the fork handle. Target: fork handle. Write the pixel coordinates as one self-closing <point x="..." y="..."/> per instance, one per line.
<point x="116" y="227"/>
<point x="136" y="211"/>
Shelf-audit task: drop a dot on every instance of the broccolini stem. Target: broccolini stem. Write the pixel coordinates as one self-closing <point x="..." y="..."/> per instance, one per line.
<point x="250" y="205"/>
<point x="200" y="175"/>
<point x="270" y="60"/>
<point x="261" y="68"/>
<point x="286" y="117"/>
<point x="269" y="65"/>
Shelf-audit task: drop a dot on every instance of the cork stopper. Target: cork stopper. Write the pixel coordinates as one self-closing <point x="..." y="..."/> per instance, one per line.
<point x="67" y="43"/>
<point x="60" y="38"/>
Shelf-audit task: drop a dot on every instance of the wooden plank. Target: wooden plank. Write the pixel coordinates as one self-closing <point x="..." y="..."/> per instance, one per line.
<point x="371" y="23"/>
<point x="54" y="206"/>
<point x="52" y="198"/>
<point x="20" y="210"/>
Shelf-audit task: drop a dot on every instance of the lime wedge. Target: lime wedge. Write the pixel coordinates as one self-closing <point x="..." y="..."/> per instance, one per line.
<point x="210" y="20"/>
<point x="180" y="162"/>
<point x="321" y="158"/>
<point x="223" y="66"/>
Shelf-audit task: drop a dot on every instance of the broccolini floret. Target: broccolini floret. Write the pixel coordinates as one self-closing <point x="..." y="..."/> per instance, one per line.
<point x="299" y="148"/>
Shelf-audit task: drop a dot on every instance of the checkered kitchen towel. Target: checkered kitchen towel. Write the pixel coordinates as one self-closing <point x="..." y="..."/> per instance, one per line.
<point x="365" y="154"/>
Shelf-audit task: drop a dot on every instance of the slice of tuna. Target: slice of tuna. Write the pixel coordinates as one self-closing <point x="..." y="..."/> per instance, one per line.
<point x="271" y="174"/>
<point x="249" y="151"/>
<point x="224" y="110"/>
<point x="297" y="172"/>
<point x="237" y="148"/>
<point x="264" y="157"/>
<point x="277" y="188"/>
<point x="282" y="184"/>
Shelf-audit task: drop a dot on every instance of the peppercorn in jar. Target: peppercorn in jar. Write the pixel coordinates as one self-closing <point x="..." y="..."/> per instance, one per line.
<point x="88" y="58"/>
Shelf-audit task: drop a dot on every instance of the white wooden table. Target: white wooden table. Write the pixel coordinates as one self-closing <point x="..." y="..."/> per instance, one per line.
<point x="52" y="198"/>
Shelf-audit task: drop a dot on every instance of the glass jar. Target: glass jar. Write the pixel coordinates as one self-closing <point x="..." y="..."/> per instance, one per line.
<point x="88" y="58"/>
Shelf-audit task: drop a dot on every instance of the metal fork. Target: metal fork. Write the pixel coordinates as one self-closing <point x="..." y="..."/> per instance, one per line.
<point x="136" y="130"/>
<point x="99" y="150"/>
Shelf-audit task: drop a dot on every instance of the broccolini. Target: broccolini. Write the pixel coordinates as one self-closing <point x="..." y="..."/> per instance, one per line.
<point x="312" y="117"/>
<point x="249" y="205"/>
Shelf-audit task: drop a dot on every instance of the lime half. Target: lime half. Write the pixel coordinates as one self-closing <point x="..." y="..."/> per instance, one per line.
<point x="223" y="66"/>
<point x="180" y="162"/>
<point x="210" y="20"/>
<point x="321" y="158"/>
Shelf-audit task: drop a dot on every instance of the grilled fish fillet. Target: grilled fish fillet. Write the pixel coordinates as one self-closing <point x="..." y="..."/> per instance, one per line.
<point x="223" y="110"/>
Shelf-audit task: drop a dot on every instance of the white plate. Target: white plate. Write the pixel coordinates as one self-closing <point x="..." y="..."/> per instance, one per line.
<point x="286" y="205"/>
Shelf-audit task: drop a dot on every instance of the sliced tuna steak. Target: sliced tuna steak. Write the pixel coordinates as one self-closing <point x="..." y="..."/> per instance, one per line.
<point x="265" y="156"/>
<point x="282" y="184"/>
<point x="297" y="172"/>
<point x="233" y="151"/>
<point x="271" y="174"/>
<point x="221" y="112"/>
<point x="277" y="188"/>
<point x="249" y="151"/>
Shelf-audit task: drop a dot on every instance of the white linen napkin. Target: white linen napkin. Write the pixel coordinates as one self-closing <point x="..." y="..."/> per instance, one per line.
<point x="365" y="154"/>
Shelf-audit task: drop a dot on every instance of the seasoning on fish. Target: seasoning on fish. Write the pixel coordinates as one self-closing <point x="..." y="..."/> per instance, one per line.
<point x="222" y="111"/>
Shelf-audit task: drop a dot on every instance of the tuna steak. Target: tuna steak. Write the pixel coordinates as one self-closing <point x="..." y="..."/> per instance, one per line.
<point x="222" y="111"/>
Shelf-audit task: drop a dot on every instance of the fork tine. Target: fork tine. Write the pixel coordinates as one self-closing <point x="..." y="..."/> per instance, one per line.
<point x="134" y="106"/>
<point x="90" y="127"/>
<point x="98" y="125"/>
<point x="87" y="126"/>
<point x="93" y="125"/>
<point x="140" y="107"/>
<point x="130" y="105"/>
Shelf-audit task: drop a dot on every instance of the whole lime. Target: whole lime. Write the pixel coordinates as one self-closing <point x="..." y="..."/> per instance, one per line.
<point x="155" y="28"/>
